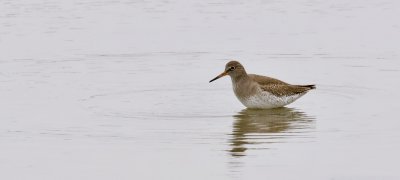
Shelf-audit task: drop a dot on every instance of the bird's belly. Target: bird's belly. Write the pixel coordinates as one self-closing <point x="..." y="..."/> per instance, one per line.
<point x="267" y="100"/>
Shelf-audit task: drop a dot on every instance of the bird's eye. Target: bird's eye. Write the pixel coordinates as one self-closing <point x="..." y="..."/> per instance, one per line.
<point x="232" y="68"/>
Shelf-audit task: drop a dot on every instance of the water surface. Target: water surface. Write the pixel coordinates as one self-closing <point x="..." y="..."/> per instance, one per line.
<point x="119" y="89"/>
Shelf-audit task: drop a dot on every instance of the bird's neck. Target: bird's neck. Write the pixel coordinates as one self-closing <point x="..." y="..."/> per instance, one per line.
<point x="240" y="77"/>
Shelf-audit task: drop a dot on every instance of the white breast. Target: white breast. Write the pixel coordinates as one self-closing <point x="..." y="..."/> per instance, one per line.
<point x="266" y="100"/>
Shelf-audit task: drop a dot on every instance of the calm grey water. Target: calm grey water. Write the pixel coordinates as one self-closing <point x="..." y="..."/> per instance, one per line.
<point x="119" y="89"/>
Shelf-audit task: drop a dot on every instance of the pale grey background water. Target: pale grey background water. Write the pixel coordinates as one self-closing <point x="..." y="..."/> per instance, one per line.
<point x="119" y="89"/>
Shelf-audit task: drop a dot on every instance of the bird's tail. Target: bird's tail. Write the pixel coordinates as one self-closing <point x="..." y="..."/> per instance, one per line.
<point x="312" y="86"/>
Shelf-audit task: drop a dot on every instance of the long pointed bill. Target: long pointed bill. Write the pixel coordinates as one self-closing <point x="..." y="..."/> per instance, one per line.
<point x="219" y="76"/>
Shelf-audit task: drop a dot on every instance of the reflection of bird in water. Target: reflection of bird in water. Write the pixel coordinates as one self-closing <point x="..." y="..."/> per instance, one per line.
<point x="254" y="127"/>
